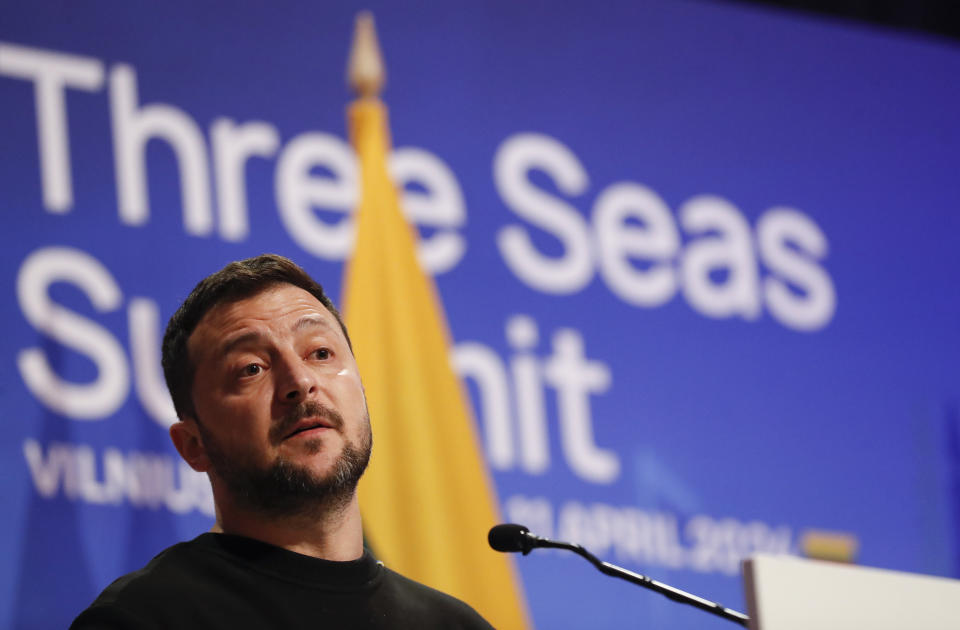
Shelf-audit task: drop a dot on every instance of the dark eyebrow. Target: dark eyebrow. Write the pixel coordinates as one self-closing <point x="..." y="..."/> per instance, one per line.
<point x="307" y="321"/>
<point x="239" y="340"/>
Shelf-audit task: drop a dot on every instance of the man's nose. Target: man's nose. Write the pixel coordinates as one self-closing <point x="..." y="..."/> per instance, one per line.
<point x="298" y="383"/>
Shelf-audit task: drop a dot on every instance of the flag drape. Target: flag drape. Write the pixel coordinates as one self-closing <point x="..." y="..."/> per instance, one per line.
<point x="427" y="500"/>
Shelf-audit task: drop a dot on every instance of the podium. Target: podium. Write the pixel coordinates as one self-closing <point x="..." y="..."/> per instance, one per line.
<point x="790" y="593"/>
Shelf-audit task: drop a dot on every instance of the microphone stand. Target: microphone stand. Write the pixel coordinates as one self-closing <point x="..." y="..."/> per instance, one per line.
<point x="641" y="580"/>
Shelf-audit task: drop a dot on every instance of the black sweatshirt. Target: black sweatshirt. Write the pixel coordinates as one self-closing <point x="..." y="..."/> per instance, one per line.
<point x="222" y="581"/>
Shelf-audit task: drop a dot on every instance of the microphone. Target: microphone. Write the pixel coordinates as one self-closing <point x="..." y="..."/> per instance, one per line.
<point x="510" y="538"/>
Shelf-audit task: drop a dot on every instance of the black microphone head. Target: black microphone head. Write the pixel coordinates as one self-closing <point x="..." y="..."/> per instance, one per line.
<point x="509" y="537"/>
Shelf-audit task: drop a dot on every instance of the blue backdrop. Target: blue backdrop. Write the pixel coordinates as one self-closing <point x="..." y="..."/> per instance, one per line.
<point x="699" y="261"/>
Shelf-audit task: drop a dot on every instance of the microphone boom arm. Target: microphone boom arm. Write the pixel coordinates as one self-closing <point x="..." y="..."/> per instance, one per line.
<point x="641" y="580"/>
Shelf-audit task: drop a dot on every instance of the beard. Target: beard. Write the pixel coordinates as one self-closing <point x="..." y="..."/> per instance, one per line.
<point x="284" y="489"/>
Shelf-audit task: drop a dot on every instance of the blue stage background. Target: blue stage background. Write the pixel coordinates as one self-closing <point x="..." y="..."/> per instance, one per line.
<point x="699" y="261"/>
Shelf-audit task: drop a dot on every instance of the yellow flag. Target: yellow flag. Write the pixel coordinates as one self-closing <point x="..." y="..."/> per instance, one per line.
<point x="427" y="500"/>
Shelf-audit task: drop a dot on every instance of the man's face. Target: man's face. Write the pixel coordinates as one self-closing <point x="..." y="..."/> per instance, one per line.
<point x="278" y="400"/>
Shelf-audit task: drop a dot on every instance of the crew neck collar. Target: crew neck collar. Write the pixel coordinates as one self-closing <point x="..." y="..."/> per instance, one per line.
<point x="289" y="565"/>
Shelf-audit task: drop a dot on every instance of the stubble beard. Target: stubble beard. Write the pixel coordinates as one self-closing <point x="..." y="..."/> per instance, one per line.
<point x="288" y="490"/>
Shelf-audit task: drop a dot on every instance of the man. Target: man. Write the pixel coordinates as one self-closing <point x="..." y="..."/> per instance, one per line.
<point x="271" y="407"/>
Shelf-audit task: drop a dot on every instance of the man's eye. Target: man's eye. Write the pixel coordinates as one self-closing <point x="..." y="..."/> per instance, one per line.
<point x="251" y="370"/>
<point x="322" y="354"/>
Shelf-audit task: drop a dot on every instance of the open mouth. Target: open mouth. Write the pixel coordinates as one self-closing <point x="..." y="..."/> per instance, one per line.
<point x="312" y="427"/>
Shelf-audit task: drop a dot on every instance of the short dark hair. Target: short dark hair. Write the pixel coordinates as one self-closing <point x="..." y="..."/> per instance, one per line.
<point x="238" y="280"/>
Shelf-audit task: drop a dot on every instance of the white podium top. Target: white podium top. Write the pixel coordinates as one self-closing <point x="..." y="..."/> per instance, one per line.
<point x="789" y="593"/>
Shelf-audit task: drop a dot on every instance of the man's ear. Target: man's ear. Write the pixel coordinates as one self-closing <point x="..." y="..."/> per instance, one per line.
<point x="186" y="437"/>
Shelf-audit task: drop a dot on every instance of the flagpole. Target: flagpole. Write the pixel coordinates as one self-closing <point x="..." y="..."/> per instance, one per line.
<point x="366" y="74"/>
